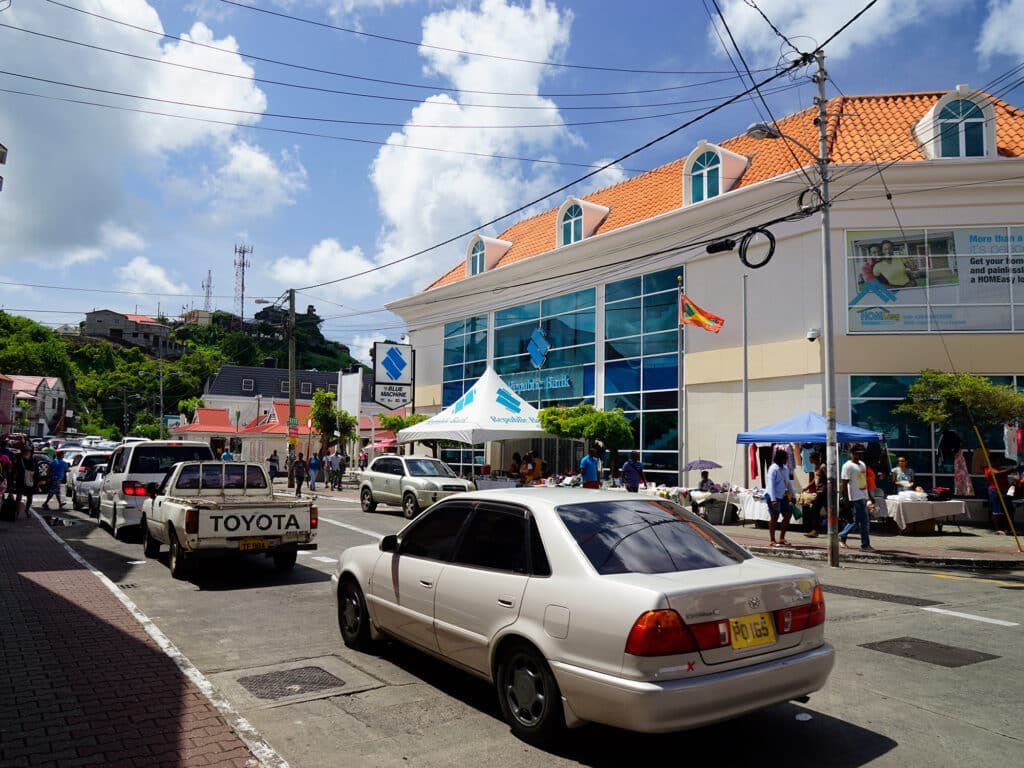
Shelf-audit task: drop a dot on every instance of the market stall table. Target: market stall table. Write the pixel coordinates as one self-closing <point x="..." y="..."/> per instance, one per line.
<point x="906" y="512"/>
<point x="485" y="483"/>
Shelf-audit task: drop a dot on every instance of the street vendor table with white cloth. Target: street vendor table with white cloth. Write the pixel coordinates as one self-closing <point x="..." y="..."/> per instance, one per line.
<point x="905" y="512"/>
<point x="751" y="507"/>
<point x="485" y="483"/>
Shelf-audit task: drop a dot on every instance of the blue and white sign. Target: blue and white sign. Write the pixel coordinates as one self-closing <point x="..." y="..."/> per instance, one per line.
<point x="538" y="348"/>
<point x="393" y="374"/>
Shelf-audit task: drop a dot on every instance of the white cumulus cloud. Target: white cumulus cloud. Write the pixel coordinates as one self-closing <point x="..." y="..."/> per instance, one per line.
<point x="1000" y="34"/>
<point x="142" y="275"/>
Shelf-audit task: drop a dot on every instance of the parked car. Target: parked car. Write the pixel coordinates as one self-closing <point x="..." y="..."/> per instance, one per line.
<point x="583" y="605"/>
<point x="218" y="507"/>
<point x="132" y="467"/>
<point x="86" y="494"/>
<point x="414" y="482"/>
<point x="78" y="466"/>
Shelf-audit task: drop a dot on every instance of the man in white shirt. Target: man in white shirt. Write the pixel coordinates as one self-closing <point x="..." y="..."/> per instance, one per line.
<point x="779" y="495"/>
<point x="854" y="487"/>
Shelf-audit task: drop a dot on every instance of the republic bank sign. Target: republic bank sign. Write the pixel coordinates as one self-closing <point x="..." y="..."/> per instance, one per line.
<point x="563" y="383"/>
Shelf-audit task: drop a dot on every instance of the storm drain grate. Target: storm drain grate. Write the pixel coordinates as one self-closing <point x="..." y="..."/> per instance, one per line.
<point x="885" y="597"/>
<point x="929" y="652"/>
<point x="290" y="682"/>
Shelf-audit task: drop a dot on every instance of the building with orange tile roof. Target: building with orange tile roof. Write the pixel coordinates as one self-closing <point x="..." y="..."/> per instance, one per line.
<point x="134" y="330"/>
<point x="579" y="303"/>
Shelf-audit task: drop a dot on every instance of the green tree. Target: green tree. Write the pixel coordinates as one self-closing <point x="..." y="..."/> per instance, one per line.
<point x="328" y="419"/>
<point x="953" y="399"/>
<point x="395" y="423"/>
<point x="585" y="422"/>
<point x="188" y="406"/>
<point x="240" y="349"/>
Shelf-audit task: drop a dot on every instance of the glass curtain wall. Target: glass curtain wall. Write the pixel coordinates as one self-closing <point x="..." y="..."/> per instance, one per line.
<point x="641" y="366"/>
<point x="929" y="450"/>
<point x="465" y="360"/>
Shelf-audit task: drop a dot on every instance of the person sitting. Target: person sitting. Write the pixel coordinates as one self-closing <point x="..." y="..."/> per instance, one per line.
<point x="514" y="467"/>
<point x="705" y="482"/>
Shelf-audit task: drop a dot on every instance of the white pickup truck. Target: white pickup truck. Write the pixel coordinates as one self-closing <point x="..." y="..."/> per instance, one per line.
<point x="207" y="507"/>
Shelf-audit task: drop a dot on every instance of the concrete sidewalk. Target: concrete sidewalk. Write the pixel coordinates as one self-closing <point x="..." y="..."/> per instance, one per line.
<point x="85" y="683"/>
<point x="970" y="547"/>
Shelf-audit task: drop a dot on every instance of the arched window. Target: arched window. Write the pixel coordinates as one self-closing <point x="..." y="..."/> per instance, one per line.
<point x="476" y="258"/>
<point x="572" y="224"/>
<point x="704" y="176"/>
<point x="962" y="130"/>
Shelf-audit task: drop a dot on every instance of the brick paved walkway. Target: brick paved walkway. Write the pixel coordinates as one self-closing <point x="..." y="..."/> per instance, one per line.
<point x="82" y="682"/>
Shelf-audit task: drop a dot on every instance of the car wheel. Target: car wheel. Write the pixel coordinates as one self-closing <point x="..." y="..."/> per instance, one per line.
<point x="366" y="499"/>
<point x="93" y="506"/>
<point x="284" y="559"/>
<point x="353" y="620"/>
<point x="150" y="546"/>
<point x="76" y="502"/>
<point x="176" y="560"/>
<point x="410" y="507"/>
<point x="530" y="700"/>
<point x="113" y="521"/>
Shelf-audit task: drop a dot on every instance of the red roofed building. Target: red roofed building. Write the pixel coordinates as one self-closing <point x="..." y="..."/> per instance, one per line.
<point x="212" y="425"/>
<point x="579" y="303"/>
<point x="39" y="400"/>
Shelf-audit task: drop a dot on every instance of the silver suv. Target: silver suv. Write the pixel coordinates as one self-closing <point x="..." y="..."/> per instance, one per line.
<point x="414" y="482"/>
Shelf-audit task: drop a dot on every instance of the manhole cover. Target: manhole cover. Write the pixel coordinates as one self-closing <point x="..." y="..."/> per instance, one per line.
<point x="290" y="682"/>
<point x="929" y="652"/>
<point x="885" y="597"/>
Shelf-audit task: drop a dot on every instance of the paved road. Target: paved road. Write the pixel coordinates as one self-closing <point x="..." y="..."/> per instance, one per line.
<point x="248" y="628"/>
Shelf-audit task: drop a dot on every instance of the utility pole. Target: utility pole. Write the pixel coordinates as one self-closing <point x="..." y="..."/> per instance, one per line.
<point x="292" y="421"/>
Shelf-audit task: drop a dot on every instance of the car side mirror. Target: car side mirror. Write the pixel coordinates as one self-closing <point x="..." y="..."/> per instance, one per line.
<point x="389" y="543"/>
<point x="151" y="489"/>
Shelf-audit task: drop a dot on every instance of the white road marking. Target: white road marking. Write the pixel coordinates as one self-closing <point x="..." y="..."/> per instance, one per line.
<point x="325" y="559"/>
<point x="371" y="534"/>
<point x="971" y="616"/>
<point x="136" y="562"/>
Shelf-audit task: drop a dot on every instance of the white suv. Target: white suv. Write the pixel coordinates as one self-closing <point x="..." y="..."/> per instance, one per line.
<point x="132" y="467"/>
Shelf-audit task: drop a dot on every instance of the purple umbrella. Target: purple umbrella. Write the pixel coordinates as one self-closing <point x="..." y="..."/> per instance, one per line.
<point x="701" y="464"/>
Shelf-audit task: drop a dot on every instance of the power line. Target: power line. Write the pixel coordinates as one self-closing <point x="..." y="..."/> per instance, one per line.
<point x="381" y="81"/>
<point x="769" y="22"/>
<point x="562" y="188"/>
<point x="401" y="41"/>
<point x="358" y="94"/>
<point x="296" y="132"/>
<point x="344" y="121"/>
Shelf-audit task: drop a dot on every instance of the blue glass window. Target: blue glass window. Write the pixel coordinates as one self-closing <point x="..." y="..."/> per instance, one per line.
<point x="622" y="289"/>
<point x="662" y="281"/>
<point x="622" y="376"/>
<point x="659" y="343"/>
<point x="568" y="303"/>
<point x="625" y="402"/>
<point x="476" y="258"/>
<point x="962" y="129"/>
<point x="570" y="330"/>
<point x="620" y="348"/>
<point x="518" y="314"/>
<point x="661" y="312"/>
<point x="622" y="319"/>
<point x="661" y="372"/>
<point x="572" y="224"/>
<point x="704" y="177"/>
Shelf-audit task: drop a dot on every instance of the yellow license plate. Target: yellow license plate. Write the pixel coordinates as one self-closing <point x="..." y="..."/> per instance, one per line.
<point x="248" y="545"/>
<point x="753" y="630"/>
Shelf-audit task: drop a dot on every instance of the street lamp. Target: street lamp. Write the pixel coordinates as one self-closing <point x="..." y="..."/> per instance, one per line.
<point x="765" y="131"/>
<point x="292" y="421"/>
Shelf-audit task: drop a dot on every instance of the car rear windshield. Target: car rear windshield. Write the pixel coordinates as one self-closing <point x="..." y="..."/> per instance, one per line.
<point x="157" y="459"/>
<point x="428" y="468"/>
<point x="646" y="536"/>
<point x="99" y="458"/>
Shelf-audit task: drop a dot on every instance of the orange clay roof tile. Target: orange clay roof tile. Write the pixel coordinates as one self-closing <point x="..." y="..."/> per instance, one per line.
<point x="862" y="129"/>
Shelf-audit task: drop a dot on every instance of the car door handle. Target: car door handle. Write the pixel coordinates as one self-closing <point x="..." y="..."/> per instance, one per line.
<point x="426" y="583"/>
<point x="506" y="602"/>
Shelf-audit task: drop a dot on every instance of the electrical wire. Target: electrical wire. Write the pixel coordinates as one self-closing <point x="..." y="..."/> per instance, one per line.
<point x="358" y="94"/>
<point x="380" y="81"/>
<point x="365" y="123"/>
<point x="308" y="134"/>
<point x="498" y="57"/>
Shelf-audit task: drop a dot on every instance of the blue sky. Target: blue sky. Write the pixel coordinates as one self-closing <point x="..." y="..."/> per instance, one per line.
<point x="125" y="210"/>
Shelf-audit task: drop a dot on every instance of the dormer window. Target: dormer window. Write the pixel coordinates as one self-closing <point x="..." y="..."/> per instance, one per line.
<point x="962" y="129"/>
<point x="960" y="124"/>
<point x="476" y="258"/>
<point x="579" y="219"/>
<point x="704" y="177"/>
<point x="572" y="225"/>
<point x="484" y="253"/>
<point x="709" y="171"/>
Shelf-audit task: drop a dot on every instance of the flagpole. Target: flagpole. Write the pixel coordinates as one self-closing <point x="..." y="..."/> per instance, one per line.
<point x="681" y="396"/>
<point x="746" y="383"/>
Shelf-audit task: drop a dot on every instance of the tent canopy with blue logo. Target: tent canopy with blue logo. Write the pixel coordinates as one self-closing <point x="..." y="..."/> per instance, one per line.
<point x="807" y="427"/>
<point x="489" y="410"/>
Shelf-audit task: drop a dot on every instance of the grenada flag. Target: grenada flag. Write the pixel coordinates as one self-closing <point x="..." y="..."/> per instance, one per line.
<point x="691" y="314"/>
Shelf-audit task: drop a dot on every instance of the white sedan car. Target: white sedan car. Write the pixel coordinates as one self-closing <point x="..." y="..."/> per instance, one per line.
<point x="598" y="606"/>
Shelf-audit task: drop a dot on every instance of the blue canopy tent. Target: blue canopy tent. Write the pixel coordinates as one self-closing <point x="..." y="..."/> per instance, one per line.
<point x="807" y="427"/>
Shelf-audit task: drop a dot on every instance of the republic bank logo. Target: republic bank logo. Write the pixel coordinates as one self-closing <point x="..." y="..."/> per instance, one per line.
<point x="538" y="348"/>
<point x="508" y="401"/>
<point x="463" y="401"/>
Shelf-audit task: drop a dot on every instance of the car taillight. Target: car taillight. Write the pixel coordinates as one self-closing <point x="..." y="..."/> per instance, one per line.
<point x="191" y="521"/>
<point x="802" y="616"/>
<point x="83" y="469"/>
<point x="132" y="488"/>
<point x="662" y="633"/>
<point x="314" y="517"/>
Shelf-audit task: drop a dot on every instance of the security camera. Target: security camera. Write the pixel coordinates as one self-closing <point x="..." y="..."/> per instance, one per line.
<point x="813" y="334"/>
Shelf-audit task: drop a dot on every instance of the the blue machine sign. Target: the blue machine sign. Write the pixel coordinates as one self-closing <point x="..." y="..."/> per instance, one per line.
<point x="393" y="374"/>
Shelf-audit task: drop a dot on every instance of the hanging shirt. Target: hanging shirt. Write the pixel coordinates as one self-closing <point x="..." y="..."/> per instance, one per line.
<point x="1010" y="441"/>
<point x="805" y="460"/>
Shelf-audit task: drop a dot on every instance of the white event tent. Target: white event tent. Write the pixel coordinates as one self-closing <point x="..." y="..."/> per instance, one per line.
<point x="489" y="410"/>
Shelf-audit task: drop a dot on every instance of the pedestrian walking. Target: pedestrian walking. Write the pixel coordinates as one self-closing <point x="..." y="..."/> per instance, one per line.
<point x="819" y="486"/>
<point x="58" y="471"/>
<point x="299" y="469"/>
<point x="780" y="495"/>
<point x="331" y="470"/>
<point x="633" y="473"/>
<point x="362" y="460"/>
<point x="314" y="470"/>
<point x="26" y="477"/>
<point x="588" y="468"/>
<point x="854" y="488"/>
<point x="275" y="465"/>
<point x="998" y="482"/>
